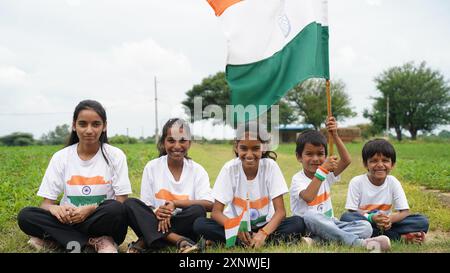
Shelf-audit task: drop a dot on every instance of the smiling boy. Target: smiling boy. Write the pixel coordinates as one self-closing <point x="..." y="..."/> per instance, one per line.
<point x="311" y="192"/>
<point x="372" y="196"/>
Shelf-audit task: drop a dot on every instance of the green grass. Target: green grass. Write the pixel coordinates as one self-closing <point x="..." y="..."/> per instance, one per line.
<point x="418" y="165"/>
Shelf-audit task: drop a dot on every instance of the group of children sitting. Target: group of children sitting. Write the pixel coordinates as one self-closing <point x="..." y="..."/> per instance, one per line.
<point x="246" y="201"/>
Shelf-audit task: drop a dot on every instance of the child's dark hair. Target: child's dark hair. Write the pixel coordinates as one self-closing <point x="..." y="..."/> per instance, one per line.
<point x="378" y="146"/>
<point x="98" y="108"/>
<point x="174" y="122"/>
<point x="259" y="132"/>
<point x="313" y="137"/>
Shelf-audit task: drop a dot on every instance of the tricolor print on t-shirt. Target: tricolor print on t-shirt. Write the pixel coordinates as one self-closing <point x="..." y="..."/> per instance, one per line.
<point x="376" y="207"/>
<point x="83" y="191"/>
<point x="166" y="195"/>
<point x="322" y="203"/>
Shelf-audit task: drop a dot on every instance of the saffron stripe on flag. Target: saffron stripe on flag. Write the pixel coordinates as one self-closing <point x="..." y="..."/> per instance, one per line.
<point x="219" y="6"/>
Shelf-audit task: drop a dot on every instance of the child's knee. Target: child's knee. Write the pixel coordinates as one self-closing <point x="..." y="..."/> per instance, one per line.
<point x="131" y="202"/>
<point x="311" y="217"/>
<point x="298" y="224"/>
<point x="423" y="222"/>
<point x="200" y="225"/>
<point x="349" y="216"/>
<point x="24" y="215"/>
<point x="114" y="209"/>
<point x="197" y="210"/>
<point x="366" y="228"/>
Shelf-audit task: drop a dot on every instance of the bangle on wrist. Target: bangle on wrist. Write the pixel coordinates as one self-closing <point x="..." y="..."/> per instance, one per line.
<point x="264" y="232"/>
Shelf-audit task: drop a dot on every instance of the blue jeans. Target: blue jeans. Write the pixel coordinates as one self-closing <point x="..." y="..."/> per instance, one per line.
<point x="412" y="223"/>
<point x="331" y="229"/>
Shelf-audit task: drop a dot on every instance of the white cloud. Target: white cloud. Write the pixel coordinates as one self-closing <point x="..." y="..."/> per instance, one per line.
<point x="346" y="57"/>
<point x="374" y="2"/>
<point x="6" y="55"/>
<point x="11" y="76"/>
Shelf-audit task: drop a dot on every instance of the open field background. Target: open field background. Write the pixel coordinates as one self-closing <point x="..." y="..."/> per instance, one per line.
<point x="423" y="169"/>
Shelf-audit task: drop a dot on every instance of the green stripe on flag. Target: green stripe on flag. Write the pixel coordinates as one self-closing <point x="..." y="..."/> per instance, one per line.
<point x="231" y="241"/>
<point x="86" y="200"/>
<point x="265" y="82"/>
<point x="243" y="227"/>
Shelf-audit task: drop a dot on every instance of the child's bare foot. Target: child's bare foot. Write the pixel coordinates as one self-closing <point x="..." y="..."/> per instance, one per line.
<point x="414" y="237"/>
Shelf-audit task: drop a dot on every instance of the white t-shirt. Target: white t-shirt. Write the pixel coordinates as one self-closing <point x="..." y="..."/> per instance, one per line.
<point x="158" y="184"/>
<point x="86" y="182"/>
<point x="232" y="188"/>
<point x="322" y="202"/>
<point x="365" y="197"/>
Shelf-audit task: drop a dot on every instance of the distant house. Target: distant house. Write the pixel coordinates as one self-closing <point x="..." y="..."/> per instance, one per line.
<point x="289" y="132"/>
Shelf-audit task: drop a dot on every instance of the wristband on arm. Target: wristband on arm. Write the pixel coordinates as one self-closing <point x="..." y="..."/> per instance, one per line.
<point x="321" y="173"/>
<point x="369" y="216"/>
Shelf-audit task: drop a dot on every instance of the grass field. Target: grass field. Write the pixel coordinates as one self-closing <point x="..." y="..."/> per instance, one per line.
<point x="419" y="165"/>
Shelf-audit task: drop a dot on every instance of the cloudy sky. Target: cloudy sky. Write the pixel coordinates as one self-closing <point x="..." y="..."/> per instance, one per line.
<point x="55" y="53"/>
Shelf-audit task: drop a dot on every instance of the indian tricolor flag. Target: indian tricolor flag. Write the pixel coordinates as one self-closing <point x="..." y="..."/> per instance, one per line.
<point x="232" y="226"/>
<point x="273" y="45"/>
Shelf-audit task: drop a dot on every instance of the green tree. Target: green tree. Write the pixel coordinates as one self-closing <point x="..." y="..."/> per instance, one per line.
<point x="122" y="139"/>
<point x="17" y="139"/>
<point x="309" y="100"/>
<point x="444" y="134"/>
<point x="369" y="130"/>
<point x="419" y="99"/>
<point x="214" y="90"/>
<point x="57" y="137"/>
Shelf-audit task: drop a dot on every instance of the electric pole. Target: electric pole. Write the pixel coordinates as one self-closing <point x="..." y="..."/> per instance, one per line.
<point x="156" y="113"/>
<point x="387" y="118"/>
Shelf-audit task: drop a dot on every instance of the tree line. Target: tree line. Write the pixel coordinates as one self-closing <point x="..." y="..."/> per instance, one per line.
<point x="418" y="98"/>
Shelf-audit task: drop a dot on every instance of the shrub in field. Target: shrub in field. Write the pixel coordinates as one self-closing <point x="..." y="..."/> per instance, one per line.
<point x="17" y="139"/>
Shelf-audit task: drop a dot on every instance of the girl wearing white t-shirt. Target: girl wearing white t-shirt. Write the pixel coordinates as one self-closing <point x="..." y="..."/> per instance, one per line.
<point x="93" y="178"/>
<point x="252" y="183"/>
<point x="175" y="191"/>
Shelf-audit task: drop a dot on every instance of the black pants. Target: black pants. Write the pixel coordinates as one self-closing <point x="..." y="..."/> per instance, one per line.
<point x="412" y="223"/>
<point x="144" y="223"/>
<point x="290" y="230"/>
<point x="108" y="219"/>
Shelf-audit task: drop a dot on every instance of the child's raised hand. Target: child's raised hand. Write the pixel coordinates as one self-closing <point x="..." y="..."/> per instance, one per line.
<point x="331" y="125"/>
<point x="330" y="163"/>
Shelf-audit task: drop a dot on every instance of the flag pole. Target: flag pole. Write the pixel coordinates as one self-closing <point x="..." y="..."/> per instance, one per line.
<point x="330" y="137"/>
